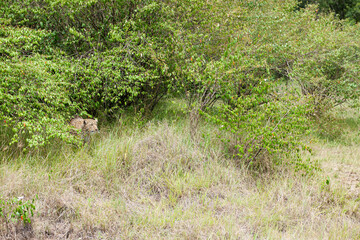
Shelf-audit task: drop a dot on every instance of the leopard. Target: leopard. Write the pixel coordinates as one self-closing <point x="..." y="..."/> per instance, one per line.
<point x="87" y="126"/>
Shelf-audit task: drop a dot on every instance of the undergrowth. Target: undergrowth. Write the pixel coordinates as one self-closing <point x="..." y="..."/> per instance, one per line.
<point x="154" y="181"/>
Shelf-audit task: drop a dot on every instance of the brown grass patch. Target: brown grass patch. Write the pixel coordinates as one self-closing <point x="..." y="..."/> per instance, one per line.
<point x="155" y="183"/>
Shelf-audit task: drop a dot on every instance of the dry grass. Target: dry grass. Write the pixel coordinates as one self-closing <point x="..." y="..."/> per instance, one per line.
<point x="155" y="183"/>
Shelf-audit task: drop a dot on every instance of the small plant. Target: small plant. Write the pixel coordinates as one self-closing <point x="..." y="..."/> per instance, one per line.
<point x="305" y="166"/>
<point x="325" y="185"/>
<point x="16" y="209"/>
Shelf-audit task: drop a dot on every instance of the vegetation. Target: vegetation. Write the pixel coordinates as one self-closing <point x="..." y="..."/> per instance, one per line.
<point x="344" y="9"/>
<point x="198" y="101"/>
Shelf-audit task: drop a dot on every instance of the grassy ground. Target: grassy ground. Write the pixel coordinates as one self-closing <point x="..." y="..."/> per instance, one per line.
<point x="154" y="182"/>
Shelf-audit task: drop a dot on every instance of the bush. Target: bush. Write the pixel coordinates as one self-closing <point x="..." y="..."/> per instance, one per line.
<point x="263" y="128"/>
<point x="78" y="26"/>
<point x="319" y="54"/>
<point x="343" y="9"/>
<point x="101" y="56"/>
<point x="34" y="101"/>
<point x="131" y="73"/>
<point x="13" y="212"/>
<point x="117" y="60"/>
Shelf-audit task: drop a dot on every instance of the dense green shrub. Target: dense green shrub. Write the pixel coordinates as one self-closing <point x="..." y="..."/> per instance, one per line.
<point x="34" y="103"/>
<point x="134" y="69"/>
<point x="95" y="57"/>
<point x="343" y="8"/>
<point x="264" y="127"/>
<point x="88" y="57"/>
<point x="111" y="80"/>
<point x="33" y="100"/>
<point x="78" y="26"/>
<point x="277" y="44"/>
<point x="120" y="49"/>
<point x="320" y="55"/>
<point x="22" y="42"/>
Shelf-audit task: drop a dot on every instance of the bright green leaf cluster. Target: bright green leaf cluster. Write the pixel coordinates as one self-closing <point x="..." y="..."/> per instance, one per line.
<point x="16" y="209"/>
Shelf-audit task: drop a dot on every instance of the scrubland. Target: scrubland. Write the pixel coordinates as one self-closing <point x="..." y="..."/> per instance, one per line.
<point x="218" y="119"/>
<point x="152" y="181"/>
